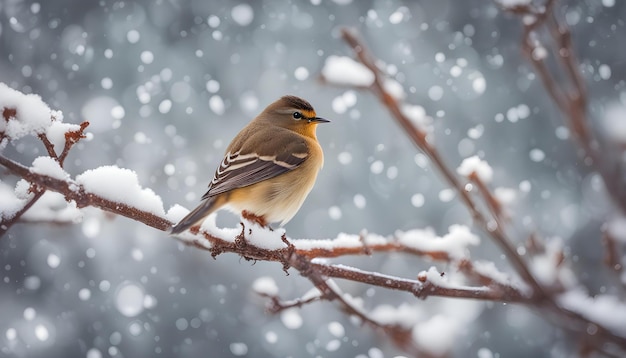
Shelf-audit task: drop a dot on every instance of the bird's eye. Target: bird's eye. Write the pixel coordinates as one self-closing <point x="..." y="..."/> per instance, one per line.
<point x="297" y="115"/>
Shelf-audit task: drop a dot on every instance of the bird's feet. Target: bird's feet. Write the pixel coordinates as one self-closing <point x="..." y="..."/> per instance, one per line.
<point x="260" y="220"/>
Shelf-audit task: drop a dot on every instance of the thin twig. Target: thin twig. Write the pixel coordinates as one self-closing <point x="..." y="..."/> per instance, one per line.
<point x="49" y="146"/>
<point x="277" y="305"/>
<point x="467" y="267"/>
<point x="6" y="224"/>
<point x="492" y="203"/>
<point x="72" y="138"/>
<point x="613" y="258"/>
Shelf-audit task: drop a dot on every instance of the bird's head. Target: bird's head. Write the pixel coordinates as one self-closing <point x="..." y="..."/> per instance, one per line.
<point x="293" y="113"/>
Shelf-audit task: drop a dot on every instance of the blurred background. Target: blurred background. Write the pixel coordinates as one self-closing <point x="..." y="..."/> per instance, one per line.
<point x="166" y="84"/>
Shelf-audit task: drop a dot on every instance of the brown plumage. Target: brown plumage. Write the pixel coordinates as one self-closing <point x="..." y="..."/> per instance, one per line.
<point x="269" y="167"/>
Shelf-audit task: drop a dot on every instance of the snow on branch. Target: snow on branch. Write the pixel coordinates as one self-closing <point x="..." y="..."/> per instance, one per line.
<point x="419" y="138"/>
<point x="542" y="280"/>
<point x="109" y="188"/>
<point x="23" y="114"/>
<point x="543" y="292"/>
<point x="122" y="186"/>
<point x="474" y="165"/>
<point x="343" y="70"/>
<point x="45" y="183"/>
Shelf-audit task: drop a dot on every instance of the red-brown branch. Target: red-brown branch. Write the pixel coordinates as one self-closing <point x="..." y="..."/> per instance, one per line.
<point x="71" y="138"/>
<point x="373" y="248"/>
<point x="492" y="203"/>
<point x="49" y="146"/>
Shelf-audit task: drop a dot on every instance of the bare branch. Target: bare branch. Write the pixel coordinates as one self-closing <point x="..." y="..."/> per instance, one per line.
<point x="277" y="305"/>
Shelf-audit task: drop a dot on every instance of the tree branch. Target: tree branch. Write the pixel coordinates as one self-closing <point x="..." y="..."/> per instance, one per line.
<point x="419" y="139"/>
<point x="72" y="191"/>
<point x="541" y="299"/>
<point x="569" y="95"/>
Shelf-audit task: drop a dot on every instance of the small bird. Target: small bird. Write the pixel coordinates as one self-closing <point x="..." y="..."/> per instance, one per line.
<point x="269" y="167"/>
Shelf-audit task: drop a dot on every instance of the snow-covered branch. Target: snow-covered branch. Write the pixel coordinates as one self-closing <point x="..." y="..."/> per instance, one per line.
<point x="546" y="292"/>
<point x="117" y="190"/>
<point x="540" y="276"/>
<point x="419" y="138"/>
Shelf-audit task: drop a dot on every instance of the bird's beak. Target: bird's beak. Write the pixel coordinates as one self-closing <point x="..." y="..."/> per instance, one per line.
<point x="318" y="120"/>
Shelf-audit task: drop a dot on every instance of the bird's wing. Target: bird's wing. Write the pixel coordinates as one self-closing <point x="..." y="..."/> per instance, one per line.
<point x="245" y="166"/>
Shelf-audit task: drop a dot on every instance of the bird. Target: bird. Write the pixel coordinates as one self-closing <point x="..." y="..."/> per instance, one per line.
<point x="268" y="169"/>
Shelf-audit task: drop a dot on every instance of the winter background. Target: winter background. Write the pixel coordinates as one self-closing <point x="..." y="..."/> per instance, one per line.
<point x="166" y="84"/>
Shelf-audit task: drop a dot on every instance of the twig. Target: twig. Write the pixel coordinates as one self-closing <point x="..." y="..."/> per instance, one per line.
<point x="492" y="203"/>
<point x="6" y="224"/>
<point x="72" y="138"/>
<point x="467" y="267"/>
<point x="277" y="305"/>
<point x="49" y="146"/>
<point x="613" y="258"/>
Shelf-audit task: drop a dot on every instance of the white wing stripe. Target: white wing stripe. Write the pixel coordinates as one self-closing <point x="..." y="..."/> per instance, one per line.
<point x="235" y="162"/>
<point x="235" y="166"/>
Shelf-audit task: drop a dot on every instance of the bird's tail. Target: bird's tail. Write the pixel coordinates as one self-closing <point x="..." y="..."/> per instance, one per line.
<point x="208" y="206"/>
